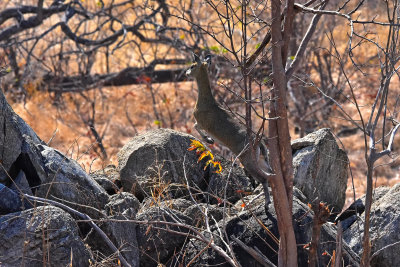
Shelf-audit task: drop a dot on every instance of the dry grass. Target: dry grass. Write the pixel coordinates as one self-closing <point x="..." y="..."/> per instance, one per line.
<point x="114" y="106"/>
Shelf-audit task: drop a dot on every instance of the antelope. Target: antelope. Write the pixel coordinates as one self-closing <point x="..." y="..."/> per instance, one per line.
<point x="222" y="126"/>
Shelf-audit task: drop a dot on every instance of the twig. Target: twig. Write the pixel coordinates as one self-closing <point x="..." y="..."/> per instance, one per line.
<point x="198" y="254"/>
<point x="382" y="249"/>
<point x="304" y="43"/>
<point x="260" y="258"/>
<point x="339" y="245"/>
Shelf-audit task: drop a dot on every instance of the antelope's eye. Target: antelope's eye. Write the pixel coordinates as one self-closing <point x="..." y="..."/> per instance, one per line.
<point x="192" y="67"/>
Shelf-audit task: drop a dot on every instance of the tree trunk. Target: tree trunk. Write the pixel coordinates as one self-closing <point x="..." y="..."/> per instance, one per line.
<point x="280" y="148"/>
<point x="367" y="212"/>
<point x="283" y="207"/>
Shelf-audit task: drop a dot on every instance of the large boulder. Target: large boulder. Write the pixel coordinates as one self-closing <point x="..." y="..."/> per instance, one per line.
<point x="160" y="160"/>
<point x="259" y="231"/>
<point x="44" y="236"/>
<point x="384" y="229"/>
<point x="320" y="168"/>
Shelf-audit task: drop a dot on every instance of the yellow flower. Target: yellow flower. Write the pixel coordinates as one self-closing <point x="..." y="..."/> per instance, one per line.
<point x="205" y="154"/>
<point x="196" y="145"/>
<point x="199" y="147"/>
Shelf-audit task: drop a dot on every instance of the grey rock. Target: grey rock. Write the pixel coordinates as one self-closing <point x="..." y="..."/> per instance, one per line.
<point x="124" y="206"/>
<point x="384" y="229"/>
<point x="160" y="159"/>
<point x="10" y="201"/>
<point x="247" y="228"/>
<point x="122" y="202"/>
<point x="118" y="225"/>
<point x="18" y="153"/>
<point x="21" y="184"/>
<point x="230" y="184"/>
<point x="108" y="178"/>
<point x="106" y="184"/>
<point x="124" y="236"/>
<point x="299" y="195"/>
<point x="179" y="204"/>
<point x="158" y="245"/>
<point x="320" y="168"/>
<point x="15" y="151"/>
<point x="46" y="233"/>
<point x="350" y="215"/>
<point x="110" y="171"/>
<point x="47" y="171"/>
<point x="66" y="180"/>
<point x="197" y="213"/>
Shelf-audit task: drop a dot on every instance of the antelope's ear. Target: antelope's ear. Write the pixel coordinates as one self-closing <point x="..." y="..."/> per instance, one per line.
<point x="207" y="59"/>
<point x="196" y="58"/>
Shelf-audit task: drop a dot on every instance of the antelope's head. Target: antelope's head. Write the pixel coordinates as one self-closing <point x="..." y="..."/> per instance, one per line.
<point x="199" y="67"/>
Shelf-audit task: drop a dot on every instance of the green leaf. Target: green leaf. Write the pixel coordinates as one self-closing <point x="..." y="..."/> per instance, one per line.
<point x="258" y="45"/>
<point x="157" y="122"/>
<point x="292" y="57"/>
<point x="214" y="48"/>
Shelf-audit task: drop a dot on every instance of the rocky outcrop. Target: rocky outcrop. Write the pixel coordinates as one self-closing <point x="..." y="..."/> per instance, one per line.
<point x="384" y="229"/>
<point x="320" y="168"/>
<point x="146" y="221"/>
<point x="250" y="226"/>
<point x="29" y="166"/>
<point x="44" y="236"/>
<point x="117" y="223"/>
